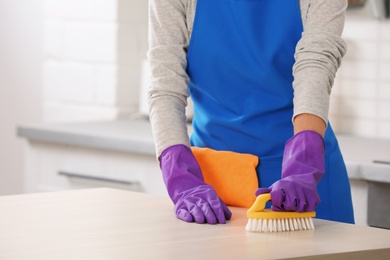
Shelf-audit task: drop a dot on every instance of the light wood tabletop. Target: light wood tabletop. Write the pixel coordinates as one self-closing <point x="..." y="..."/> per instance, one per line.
<point x="115" y="224"/>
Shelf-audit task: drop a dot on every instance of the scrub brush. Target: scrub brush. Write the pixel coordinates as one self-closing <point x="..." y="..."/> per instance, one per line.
<point x="267" y="220"/>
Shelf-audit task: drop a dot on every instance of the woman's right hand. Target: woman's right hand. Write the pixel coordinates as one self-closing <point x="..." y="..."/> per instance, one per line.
<point x="195" y="201"/>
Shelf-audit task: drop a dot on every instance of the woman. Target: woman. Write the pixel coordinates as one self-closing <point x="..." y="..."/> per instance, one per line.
<point x="260" y="74"/>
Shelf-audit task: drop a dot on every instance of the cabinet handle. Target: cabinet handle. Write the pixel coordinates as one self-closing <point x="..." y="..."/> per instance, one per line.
<point x="381" y="162"/>
<point x="81" y="176"/>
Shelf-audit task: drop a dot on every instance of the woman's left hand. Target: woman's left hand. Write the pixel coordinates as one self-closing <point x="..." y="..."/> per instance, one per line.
<point x="302" y="169"/>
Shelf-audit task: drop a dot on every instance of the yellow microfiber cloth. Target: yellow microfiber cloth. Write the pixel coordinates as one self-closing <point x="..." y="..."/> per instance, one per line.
<point x="232" y="175"/>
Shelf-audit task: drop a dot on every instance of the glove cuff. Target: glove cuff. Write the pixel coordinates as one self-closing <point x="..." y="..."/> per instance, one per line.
<point x="308" y="140"/>
<point x="305" y="150"/>
<point x="177" y="160"/>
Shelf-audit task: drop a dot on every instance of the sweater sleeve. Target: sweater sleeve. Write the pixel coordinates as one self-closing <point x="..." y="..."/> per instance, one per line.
<point x="168" y="92"/>
<point x="318" y="56"/>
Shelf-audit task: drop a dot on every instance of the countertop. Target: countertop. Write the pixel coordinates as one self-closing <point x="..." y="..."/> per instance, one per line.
<point x="366" y="158"/>
<point x="127" y="135"/>
<point x="115" y="224"/>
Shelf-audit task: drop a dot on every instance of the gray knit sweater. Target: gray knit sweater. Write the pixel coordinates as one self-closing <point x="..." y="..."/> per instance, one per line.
<point x="318" y="55"/>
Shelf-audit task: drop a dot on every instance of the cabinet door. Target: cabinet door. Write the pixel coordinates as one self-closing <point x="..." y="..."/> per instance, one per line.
<point x="56" y="167"/>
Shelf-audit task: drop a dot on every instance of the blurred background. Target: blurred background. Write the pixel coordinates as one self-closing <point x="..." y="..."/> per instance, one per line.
<point x="65" y="61"/>
<point x="21" y="82"/>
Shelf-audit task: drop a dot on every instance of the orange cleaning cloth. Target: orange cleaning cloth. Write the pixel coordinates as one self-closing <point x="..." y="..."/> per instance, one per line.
<point x="232" y="175"/>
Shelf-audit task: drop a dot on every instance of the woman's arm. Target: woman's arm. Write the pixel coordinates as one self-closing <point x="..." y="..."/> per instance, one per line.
<point x="304" y="122"/>
<point x="318" y="57"/>
<point x="168" y="42"/>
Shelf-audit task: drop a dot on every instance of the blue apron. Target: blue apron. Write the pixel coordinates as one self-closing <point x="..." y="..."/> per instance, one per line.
<point x="240" y="63"/>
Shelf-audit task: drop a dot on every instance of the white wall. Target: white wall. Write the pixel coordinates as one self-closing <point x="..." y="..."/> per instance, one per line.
<point x="93" y="51"/>
<point x="20" y="83"/>
<point x="360" y="103"/>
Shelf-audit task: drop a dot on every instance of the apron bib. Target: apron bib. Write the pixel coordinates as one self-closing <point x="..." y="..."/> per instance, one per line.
<point x="240" y="63"/>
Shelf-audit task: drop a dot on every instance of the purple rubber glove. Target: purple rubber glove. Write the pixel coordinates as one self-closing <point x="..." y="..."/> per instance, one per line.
<point x="302" y="169"/>
<point x="194" y="199"/>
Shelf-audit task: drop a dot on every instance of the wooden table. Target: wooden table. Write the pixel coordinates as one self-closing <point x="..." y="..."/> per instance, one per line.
<point x="114" y="224"/>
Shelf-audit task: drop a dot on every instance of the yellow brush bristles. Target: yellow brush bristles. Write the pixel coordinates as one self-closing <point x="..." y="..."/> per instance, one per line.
<point x="266" y="220"/>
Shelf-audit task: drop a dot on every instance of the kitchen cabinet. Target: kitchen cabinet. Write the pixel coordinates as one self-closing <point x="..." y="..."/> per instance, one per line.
<point x="104" y="154"/>
<point x="116" y="224"/>
<point x="368" y="165"/>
